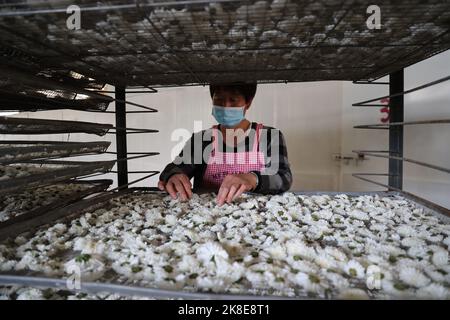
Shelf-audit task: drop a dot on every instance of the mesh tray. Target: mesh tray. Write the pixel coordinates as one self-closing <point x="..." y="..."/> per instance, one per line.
<point x="69" y="211"/>
<point x="37" y="100"/>
<point x="35" y="88"/>
<point x="196" y="42"/>
<point x="18" y="150"/>
<point x="54" y="171"/>
<point x="112" y="283"/>
<point x="27" y="87"/>
<point x="43" y="126"/>
<point x="20" y="214"/>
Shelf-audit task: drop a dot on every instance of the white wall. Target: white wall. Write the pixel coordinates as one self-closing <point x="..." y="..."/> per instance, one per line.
<point x="427" y="143"/>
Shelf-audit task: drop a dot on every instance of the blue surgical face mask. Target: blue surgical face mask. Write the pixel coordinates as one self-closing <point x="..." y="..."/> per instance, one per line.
<point x="228" y="116"/>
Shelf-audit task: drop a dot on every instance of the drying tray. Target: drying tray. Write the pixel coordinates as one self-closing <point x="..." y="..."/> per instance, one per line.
<point x="29" y="89"/>
<point x="10" y="125"/>
<point x="58" y="171"/>
<point x="93" y="186"/>
<point x="39" y="100"/>
<point x="19" y="150"/>
<point x="72" y="211"/>
<point x="163" y="43"/>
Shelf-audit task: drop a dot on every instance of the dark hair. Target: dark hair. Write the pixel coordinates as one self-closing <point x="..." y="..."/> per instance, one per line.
<point x="248" y="90"/>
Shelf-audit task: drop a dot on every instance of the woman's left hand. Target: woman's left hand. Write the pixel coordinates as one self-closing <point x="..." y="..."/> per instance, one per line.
<point x="234" y="185"/>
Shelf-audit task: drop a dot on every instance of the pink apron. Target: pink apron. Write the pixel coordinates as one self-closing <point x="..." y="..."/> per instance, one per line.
<point x="220" y="164"/>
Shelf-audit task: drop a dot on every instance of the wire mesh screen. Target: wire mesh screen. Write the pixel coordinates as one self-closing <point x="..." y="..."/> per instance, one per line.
<point x="28" y="86"/>
<point x="132" y="43"/>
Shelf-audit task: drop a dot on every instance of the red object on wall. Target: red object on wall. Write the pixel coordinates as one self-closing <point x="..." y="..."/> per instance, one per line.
<point x="385" y="110"/>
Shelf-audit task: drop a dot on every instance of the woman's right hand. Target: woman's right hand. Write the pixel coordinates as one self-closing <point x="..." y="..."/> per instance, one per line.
<point x="177" y="184"/>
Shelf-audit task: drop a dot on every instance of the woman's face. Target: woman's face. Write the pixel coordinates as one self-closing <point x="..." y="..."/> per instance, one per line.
<point x="231" y="99"/>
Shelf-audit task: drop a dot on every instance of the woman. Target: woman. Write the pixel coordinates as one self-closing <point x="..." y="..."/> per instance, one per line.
<point x="243" y="155"/>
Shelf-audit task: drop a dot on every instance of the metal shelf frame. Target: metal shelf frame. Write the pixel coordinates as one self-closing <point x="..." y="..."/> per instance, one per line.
<point x="121" y="141"/>
<point x="395" y="128"/>
<point x="191" y="43"/>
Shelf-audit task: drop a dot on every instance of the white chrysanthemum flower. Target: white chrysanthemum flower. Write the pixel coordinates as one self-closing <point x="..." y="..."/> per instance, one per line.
<point x="320" y="199"/>
<point x="197" y="218"/>
<point x="375" y="259"/>
<point x="433" y="291"/>
<point x="417" y="251"/>
<point x="413" y="277"/>
<point x="325" y="261"/>
<point x="249" y="204"/>
<point x="446" y="241"/>
<point x="406" y="231"/>
<point x="235" y="272"/>
<point x="90" y="246"/>
<point x="440" y="258"/>
<point x="208" y="251"/>
<point x="273" y="206"/>
<point x="358" y="214"/>
<point x="30" y="294"/>
<point x="303" y="266"/>
<point x="188" y="264"/>
<point x="354" y="269"/>
<point x="314" y="233"/>
<point x="391" y="250"/>
<point x="338" y="281"/>
<point x="58" y="228"/>
<point x="412" y="242"/>
<point x="434" y="275"/>
<point x="436" y="238"/>
<point x="324" y="214"/>
<point x="153" y="217"/>
<point x="297" y="247"/>
<point x="309" y="282"/>
<point x="396" y="289"/>
<point x="6" y="265"/>
<point x="276" y="251"/>
<point x="167" y="229"/>
<point x="191" y="235"/>
<point x="256" y="279"/>
<point x="223" y="267"/>
<point x="336" y="253"/>
<point x="180" y="248"/>
<point x="365" y="233"/>
<point x="171" y="219"/>
<point x="215" y="284"/>
<point x="295" y="212"/>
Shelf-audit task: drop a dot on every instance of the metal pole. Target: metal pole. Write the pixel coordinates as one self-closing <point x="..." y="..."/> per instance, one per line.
<point x="396" y="114"/>
<point x="121" y="137"/>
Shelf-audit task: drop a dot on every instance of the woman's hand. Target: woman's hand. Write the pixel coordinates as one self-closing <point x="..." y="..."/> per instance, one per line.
<point x="178" y="183"/>
<point x="234" y="185"/>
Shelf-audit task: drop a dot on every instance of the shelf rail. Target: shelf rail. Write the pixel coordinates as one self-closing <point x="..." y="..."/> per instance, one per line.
<point x="395" y="128"/>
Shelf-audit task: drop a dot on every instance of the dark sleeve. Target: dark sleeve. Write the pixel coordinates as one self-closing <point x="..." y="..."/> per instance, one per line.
<point x="189" y="161"/>
<point x="276" y="176"/>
